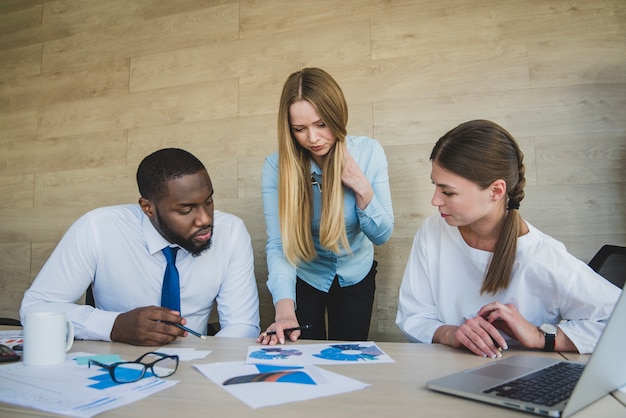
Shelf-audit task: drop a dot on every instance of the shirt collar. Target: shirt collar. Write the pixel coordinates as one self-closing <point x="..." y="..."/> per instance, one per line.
<point x="154" y="240"/>
<point x="315" y="169"/>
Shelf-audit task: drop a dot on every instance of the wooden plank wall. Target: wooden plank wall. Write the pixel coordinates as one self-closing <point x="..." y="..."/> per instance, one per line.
<point x="88" y="87"/>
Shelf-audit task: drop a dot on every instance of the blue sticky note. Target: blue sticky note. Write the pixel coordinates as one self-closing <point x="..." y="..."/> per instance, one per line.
<point x="106" y="359"/>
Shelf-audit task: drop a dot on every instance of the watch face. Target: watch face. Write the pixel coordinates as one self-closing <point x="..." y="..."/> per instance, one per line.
<point x="548" y="329"/>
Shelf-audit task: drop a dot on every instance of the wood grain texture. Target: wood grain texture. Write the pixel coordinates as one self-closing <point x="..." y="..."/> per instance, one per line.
<point x="206" y="101"/>
<point x="90" y="150"/>
<point x="17" y="191"/>
<point x="88" y="88"/>
<point x="20" y="62"/>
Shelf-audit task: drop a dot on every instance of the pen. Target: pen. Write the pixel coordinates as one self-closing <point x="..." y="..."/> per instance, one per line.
<point x="197" y="334"/>
<point x="307" y="326"/>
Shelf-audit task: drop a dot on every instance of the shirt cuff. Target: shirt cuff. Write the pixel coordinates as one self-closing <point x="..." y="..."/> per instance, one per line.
<point x="239" y="331"/>
<point x="98" y="326"/>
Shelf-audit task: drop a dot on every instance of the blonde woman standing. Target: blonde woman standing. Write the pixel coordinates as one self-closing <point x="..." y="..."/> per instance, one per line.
<point x="326" y="201"/>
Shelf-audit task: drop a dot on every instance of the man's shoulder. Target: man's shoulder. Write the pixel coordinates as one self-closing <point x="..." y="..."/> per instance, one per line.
<point x="129" y="212"/>
<point x="227" y="220"/>
<point x="106" y="224"/>
<point x="229" y="234"/>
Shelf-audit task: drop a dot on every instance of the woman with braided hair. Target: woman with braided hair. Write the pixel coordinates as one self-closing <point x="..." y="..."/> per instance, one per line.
<point x="479" y="276"/>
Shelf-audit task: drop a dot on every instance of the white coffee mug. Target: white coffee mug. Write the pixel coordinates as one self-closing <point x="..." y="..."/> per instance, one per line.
<point x="47" y="337"/>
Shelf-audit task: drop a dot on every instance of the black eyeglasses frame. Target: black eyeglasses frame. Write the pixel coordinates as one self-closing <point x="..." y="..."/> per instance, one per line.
<point x="111" y="367"/>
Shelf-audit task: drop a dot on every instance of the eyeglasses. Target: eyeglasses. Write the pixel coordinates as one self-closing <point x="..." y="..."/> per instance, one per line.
<point x="314" y="182"/>
<point x="131" y="371"/>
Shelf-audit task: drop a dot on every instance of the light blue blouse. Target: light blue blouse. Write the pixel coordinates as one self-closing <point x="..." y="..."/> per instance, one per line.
<point x="373" y="225"/>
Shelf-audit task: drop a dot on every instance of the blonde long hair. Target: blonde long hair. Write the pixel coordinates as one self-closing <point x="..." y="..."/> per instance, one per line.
<point x="483" y="152"/>
<point x="295" y="197"/>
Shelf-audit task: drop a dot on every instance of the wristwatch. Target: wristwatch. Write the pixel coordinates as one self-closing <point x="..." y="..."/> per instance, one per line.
<point x="549" y="332"/>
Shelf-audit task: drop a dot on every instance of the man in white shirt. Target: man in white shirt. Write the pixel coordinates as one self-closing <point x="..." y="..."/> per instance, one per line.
<point x="118" y="251"/>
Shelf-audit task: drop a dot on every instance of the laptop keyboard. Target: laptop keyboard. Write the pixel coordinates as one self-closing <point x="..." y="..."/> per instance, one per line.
<point x="545" y="387"/>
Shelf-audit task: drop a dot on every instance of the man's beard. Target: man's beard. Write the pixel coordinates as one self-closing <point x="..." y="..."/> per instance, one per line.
<point x="188" y="244"/>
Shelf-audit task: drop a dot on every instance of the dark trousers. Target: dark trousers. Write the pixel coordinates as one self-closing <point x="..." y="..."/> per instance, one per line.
<point x="349" y="309"/>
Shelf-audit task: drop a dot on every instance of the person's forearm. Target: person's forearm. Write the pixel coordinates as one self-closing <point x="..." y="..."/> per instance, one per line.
<point x="239" y="331"/>
<point x="285" y="309"/>
<point x="364" y="197"/>
<point x="445" y="335"/>
<point x="561" y="342"/>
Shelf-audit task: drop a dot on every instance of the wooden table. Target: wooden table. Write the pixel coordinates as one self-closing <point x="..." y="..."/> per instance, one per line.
<point x="397" y="390"/>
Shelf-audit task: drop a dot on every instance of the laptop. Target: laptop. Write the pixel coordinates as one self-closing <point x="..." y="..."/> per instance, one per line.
<point x="494" y="383"/>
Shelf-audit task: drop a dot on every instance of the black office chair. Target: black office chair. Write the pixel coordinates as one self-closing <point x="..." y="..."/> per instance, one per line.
<point x="10" y="321"/>
<point x="610" y="263"/>
<point x="89" y="300"/>
<point x="212" y="327"/>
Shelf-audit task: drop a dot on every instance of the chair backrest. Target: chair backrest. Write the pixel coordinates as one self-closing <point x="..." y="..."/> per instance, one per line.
<point x="610" y="263"/>
<point x="89" y="300"/>
<point x="11" y="322"/>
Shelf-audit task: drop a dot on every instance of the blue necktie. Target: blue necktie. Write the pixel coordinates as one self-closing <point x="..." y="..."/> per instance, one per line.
<point x="170" y="295"/>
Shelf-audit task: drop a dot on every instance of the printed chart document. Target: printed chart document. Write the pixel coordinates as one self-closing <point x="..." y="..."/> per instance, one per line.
<point x="259" y="385"/>
<point x="319" y="354"/>
<point x="12" y="338"/>
<point x="72" y="388"/>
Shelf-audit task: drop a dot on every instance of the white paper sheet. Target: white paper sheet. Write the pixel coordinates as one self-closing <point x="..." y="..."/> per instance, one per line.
<point x="185" y="354"/>
<point x="71" y="389"/>
<point x="321" y="354"/>
<point x="263" y="385"/>
<point x="12" y="337"/>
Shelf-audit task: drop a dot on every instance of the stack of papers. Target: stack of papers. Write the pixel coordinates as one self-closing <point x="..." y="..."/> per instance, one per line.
<point x="269" y="375"/>
<point x="72" y="388"/>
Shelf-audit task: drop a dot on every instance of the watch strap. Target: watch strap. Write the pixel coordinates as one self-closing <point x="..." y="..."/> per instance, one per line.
<point x="549" y="346"/>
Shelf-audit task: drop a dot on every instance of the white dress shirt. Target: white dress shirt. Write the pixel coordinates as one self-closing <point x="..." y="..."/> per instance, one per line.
<point x="443" y="277"/>
<point x="118" y="250"/>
